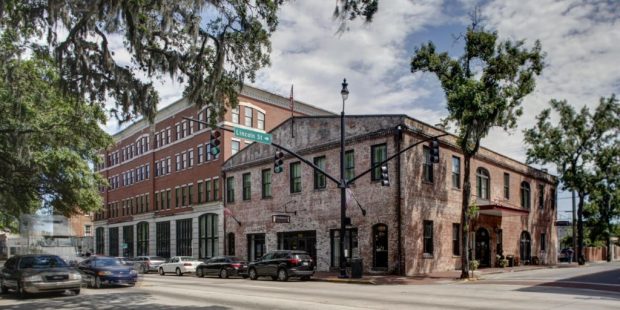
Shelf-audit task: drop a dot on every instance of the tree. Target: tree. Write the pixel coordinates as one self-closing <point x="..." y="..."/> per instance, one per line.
<point x="571" y="145"/>
<point x="212" y="45"/>
<point x="484" y="88"/>
<point x="48" y="139"/>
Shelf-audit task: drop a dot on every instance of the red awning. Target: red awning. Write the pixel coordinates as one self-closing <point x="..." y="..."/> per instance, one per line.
<point x="495" y="209"/>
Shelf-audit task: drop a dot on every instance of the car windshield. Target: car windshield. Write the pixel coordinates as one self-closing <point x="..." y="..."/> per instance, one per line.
<point x="187" y="258"/>
<point x="41" y="262"/>
<point x="107" y="262"/>
<point x="157" y="258"/>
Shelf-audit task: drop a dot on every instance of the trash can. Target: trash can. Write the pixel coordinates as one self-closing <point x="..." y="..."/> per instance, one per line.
<point x="357" y="267"/>
<point x="511" y="260"/>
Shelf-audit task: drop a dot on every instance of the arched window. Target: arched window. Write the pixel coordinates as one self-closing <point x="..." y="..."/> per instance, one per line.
<point x="208" y="235"/>
<point x="482" y="178"/>
<point x="99" y="239"/>
<point x="143" y="238"/>
<point x="525" y="195"/>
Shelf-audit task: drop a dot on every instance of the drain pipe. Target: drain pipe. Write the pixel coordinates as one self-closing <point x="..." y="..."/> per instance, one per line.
<point x="399" y="136"/>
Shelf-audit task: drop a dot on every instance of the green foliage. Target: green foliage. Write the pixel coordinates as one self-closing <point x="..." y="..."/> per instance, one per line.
<point x="47" y="139"/>
<point x="213" y="46"/>
<point x="347" y="10"/>
<point x="474" y="264"/>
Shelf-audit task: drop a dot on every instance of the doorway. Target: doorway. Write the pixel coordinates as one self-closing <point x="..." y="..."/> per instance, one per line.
<point x="525" y="248"/>
<point x="483" y="251"/>
<point x="298" y="240"/>
<point x="380" y="246"/>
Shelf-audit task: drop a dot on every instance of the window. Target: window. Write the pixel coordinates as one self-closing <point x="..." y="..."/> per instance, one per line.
<point x="113" y="244"/>
<point x="183" y="195"/>
<point x="553" y="198"/>
<point x="319" y="178"/>
<point x="378" y="153"/>
<point x="162" y="239"/>
<point x="506" y="186"/>
<point x="230" y="189"/>
<point x="248" y="116"/>
<point x="543" y="241"/>
<point x="168" y="165"/>
<point x="295" y="177"/>
<point x="541" y="196"/>
<point x="456" y="239"/>
<point x="128" y="241"/>
<point x="231" y="244"/>
<point x="200" y="190"/>
<point x="261" y="120"/>
<point x="427" y="165"/>
<point x="190" y="199"/>
<point x="350" y="245"/>
<point x="143" y="239"/>
<point x="184" y="237"/>
<point x="157" y="201"/>
<point x="456" y="172"/>
<point x="235" y="115"/>
<point x="482" y="180"/>
<point x="428" y="238"/>
<point x="525" y="195"/>
<point x="87" y="230"/>
<point x="168" y="195"/>
<point x="178" y="130"/>
<point x="178" y="161"/>
<point x="191" y="158"/>
<point x="200" y="153"/>
<point x="266" y="183"/>
<point x="208" y="235"/>
<point x="99" y="241"/>
<point x="216" y="189"/>
<point x="349" y="165"/>
<point x="235" y="145"/>
<point x="208" y="190"/>
<point x="177" y="197"/>
<point x="247" y="186"/>
<point x="184" y="160"/>
<point x="184" y="130"/>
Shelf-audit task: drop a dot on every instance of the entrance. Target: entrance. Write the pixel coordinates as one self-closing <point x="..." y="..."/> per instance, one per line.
<point x="380" y="246"/>
<point x="525" y="248"/>
<point x="483" y="251"/>
<point x="298" y="240"/>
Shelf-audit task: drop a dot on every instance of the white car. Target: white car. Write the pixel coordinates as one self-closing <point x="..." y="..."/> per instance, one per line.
<point x="179" y="265"/>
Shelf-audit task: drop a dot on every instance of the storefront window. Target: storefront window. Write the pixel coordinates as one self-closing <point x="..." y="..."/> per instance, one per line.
<point x="350" y="245"/>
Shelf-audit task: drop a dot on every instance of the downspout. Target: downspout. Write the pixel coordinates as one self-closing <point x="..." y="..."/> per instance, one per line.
<point x="399" y="136"/>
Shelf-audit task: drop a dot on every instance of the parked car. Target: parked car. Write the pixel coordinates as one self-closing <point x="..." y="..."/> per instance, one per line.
<point x="127" y="261"/>
<point x="37" y="274"/>
<point x="282" y="264"/>
<point x="566" y="255"/>
<point x="223" y="266"/>
<point x="179" y="265"/>
<point x="145" y="264"/>
<point x="100" y="270"/>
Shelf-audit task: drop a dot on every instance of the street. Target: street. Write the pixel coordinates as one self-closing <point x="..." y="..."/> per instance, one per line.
<point x="519" y="290"/>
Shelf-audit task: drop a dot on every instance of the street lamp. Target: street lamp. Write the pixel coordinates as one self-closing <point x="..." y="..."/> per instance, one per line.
<point x="343" y="184"/>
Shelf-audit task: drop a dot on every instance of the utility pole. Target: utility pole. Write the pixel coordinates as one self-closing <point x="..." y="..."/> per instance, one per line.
<point x="343" y="185"/>
<point x="574" y="227"/>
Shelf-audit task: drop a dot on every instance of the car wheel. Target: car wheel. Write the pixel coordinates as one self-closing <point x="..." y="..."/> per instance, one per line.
<point x="253" y="274"/>
<point x="179" y="273"/>
<point x="142" y="269"/>
<point x="76" y="292"/>
<point x="200" y="273"/>
<point x="161" y="272"/>
<point x="305" y="278"/>
<point x="97" y="282"/>
<point x="224" y="273"/>
<point x="4" y="289"/>
<point x="20" y="291"/>
<point x="282" y="275"/>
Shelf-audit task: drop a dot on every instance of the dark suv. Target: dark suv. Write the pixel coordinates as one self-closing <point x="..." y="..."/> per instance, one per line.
<point x="282" y="264"/>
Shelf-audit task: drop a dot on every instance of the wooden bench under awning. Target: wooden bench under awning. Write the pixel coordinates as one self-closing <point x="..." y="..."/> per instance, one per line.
<point x="495" y="209"/>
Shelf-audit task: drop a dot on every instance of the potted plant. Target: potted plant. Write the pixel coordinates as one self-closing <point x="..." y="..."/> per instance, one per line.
<point x="503" y="263"/>
<point x="473" y="265"/>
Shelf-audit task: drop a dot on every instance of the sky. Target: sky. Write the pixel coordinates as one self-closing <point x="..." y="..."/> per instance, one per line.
<point x="580" y="39"/>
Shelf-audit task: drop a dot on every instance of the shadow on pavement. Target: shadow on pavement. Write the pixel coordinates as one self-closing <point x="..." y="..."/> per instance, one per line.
<point x="600" y="285"/>
<point x="134" y="300"/>
<point x="580" y="293"/>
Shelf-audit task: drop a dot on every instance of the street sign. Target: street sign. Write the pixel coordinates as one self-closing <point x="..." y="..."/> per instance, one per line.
<point x="280" y="218"/>
<point x="259" y="137"/>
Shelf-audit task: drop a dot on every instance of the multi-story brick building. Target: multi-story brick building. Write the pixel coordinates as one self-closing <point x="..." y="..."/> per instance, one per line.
<point x="412" y="226"/>
<point x="165" y="187"/>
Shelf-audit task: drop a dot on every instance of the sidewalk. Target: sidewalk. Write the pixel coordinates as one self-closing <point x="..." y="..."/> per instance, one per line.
<point x="432" y="278"/>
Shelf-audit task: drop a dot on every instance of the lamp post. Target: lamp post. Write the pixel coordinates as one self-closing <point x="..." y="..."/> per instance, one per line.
<point x="343" y="184"/>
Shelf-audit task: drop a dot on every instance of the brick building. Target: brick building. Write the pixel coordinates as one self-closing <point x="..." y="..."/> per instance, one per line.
<point x="412" y="226"/>
<point x="165" y="187"/>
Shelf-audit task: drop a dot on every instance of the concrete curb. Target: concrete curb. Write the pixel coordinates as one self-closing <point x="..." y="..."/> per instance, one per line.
<point x="339" y="280"/>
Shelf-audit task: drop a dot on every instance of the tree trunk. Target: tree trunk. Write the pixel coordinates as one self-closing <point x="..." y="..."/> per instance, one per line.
<point x="581" y="260"/>
<point x="465" y="219"/>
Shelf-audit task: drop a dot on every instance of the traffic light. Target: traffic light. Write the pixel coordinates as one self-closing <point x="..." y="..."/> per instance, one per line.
<point x="435" y="151"/>
<point x="278" y="162"/>
<point x="215" y="142"/>
<point x="385" y="178"/>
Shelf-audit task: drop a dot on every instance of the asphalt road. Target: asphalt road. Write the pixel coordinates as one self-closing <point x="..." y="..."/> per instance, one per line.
<point x="522" y="290"/>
